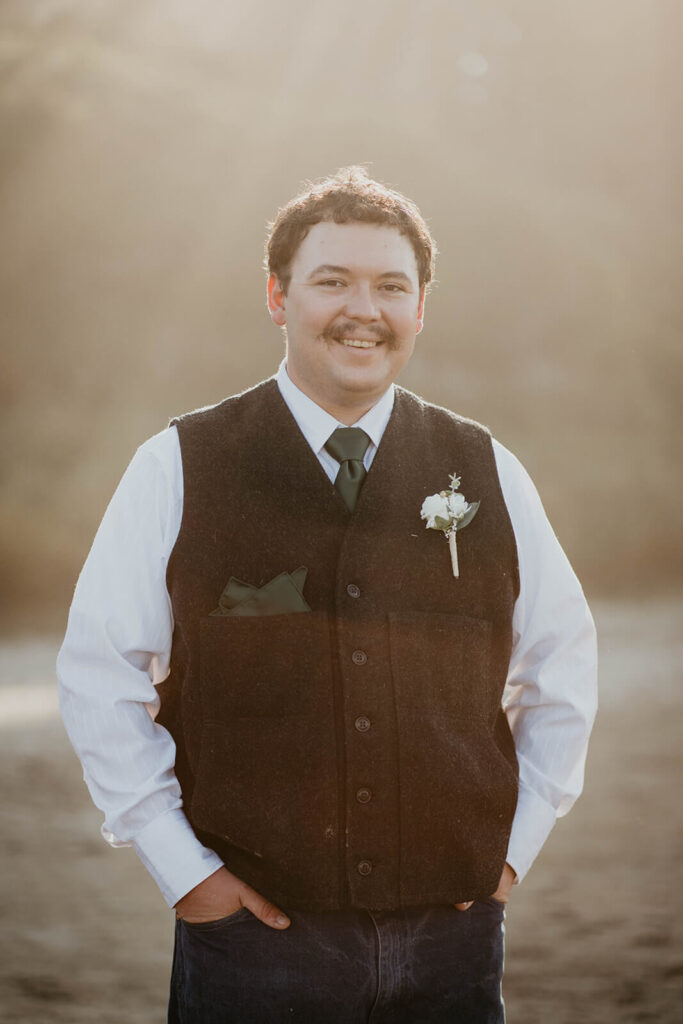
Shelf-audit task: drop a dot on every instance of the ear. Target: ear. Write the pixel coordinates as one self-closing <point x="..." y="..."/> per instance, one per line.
<point x="421" y="310"/>
<point x="276" y="301"/>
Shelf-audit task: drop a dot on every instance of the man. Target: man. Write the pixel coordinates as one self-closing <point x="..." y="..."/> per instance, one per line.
<point x="332" y="795"/>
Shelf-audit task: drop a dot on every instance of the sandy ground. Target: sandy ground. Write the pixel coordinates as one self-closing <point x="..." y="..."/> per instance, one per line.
<point x="593" y="935"/>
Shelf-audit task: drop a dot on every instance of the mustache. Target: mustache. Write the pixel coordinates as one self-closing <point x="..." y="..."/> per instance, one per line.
<point x="374" y="332"/>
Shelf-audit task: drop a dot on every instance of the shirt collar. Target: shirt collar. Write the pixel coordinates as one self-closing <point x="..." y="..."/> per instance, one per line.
<point x="316" y="424"/>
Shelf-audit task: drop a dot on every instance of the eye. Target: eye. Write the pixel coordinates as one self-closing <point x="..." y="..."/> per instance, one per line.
<point x="393" y="288"/>
<point x="332" y="283"/>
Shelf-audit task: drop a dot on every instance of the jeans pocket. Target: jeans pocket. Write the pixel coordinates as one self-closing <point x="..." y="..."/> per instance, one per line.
<point x="494" y="902"/>
<point x="221" y="922"/>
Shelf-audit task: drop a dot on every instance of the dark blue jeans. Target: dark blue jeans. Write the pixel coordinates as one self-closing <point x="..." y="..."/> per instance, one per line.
<point x="427" y="964"/>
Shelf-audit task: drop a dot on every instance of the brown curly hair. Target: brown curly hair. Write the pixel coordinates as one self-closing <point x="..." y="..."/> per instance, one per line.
<point x="347" y="196"/>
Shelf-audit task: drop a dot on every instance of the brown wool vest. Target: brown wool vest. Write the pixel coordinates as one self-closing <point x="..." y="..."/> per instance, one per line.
<point x="357" y="754"/>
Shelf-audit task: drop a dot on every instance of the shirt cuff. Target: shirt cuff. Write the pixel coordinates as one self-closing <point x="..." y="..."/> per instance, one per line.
<point x="173" y="855"/>
<point x="531" y="826"/>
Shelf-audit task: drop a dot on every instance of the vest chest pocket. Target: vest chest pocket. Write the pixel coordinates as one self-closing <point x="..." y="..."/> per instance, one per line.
<point x="441" y="665"/>
<point x="271" y="665"/>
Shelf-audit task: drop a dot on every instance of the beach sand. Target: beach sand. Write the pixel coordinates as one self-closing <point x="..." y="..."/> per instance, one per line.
<point x="594" y="933"/>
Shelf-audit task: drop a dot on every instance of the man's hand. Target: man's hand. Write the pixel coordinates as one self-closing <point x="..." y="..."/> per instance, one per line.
<point x="502" y="893"/>
<point x="222" y="894"/>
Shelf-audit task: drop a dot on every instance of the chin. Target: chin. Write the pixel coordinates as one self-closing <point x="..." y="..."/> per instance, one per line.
<point x="360" y="378"/>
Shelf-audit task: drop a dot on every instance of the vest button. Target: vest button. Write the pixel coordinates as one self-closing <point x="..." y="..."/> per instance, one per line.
<point x="362" y="723"/>
<point x="359" y="657"/>
<point x="364" y="867"/>
<point x="363" y="795"/>
<point x="352" y="590"/>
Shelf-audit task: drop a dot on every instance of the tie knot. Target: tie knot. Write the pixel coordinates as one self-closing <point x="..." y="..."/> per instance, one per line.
<point x="348" y="443"/>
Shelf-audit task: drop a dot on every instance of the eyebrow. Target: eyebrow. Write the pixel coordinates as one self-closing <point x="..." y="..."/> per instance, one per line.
<point x="331" y="268"/>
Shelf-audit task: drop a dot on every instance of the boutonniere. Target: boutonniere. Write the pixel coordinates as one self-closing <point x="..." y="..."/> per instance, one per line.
<point x="449" y="511"/>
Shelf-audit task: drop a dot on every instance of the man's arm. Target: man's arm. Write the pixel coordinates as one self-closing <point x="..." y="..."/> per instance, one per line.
<point x="117" y="647"/>
<point x="551" y="693"/>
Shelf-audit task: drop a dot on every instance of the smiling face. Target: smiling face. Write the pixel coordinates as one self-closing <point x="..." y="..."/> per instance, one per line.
<point x="352" y="310"/>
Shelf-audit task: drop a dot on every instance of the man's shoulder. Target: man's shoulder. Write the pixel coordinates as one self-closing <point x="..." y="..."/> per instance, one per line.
<point x="438" y="416"/>
<point x="506" y="460"/>
<point x="246" y="402"/>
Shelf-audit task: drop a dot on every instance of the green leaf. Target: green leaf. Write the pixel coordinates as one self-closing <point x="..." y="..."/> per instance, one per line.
<point x="441" y="524"/>
<point x="469" y="515"/>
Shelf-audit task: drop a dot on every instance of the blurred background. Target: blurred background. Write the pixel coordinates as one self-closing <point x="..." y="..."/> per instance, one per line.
<point x="145" y="144"/>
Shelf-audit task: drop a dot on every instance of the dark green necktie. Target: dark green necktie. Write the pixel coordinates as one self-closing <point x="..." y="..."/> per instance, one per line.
<point x="348" y="445"/>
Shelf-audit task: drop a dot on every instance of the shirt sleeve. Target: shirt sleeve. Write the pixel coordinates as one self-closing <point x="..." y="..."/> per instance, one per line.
<point x="117" y="647"/>
<point x="551" y="691"/>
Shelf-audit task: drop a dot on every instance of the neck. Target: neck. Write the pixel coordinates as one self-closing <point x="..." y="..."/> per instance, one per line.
<point x="348" y="412"/>
<point x="347" y="416"/>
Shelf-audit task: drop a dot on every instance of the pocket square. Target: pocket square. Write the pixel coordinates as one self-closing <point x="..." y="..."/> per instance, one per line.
<point x="282" y="594"/>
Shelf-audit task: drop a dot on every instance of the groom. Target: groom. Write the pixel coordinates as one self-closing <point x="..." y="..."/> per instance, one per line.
<point x="333" y="794"/>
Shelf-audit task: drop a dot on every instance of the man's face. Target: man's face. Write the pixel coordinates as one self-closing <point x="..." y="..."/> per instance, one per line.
<point x="352" y="311"/>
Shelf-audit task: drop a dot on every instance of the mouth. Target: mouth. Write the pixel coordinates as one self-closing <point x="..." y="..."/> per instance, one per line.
<point x="358" y="343"/>
<point x="371" y="337"/>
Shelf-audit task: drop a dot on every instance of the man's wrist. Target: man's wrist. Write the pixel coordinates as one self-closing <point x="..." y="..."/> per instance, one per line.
<point x="173" y="855"/>
<point x="533" y="822"/>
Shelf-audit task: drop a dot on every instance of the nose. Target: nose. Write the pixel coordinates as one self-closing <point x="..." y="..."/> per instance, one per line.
<point x="361" y="305"/>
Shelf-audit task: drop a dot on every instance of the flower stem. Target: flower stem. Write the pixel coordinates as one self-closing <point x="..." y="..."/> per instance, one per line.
<point x="454" y="552"/>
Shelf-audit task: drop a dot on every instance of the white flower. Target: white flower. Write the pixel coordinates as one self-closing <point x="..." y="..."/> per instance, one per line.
<point x="453" y="512"/>
<point x="433" y="506"/>
<point x="457" y="505"/>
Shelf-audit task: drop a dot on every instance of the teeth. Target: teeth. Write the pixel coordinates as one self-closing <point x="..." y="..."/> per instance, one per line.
<point x="358" y="343"/>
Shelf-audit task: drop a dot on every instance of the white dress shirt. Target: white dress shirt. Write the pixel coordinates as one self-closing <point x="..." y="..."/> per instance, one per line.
<point x="118" y="645"/>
